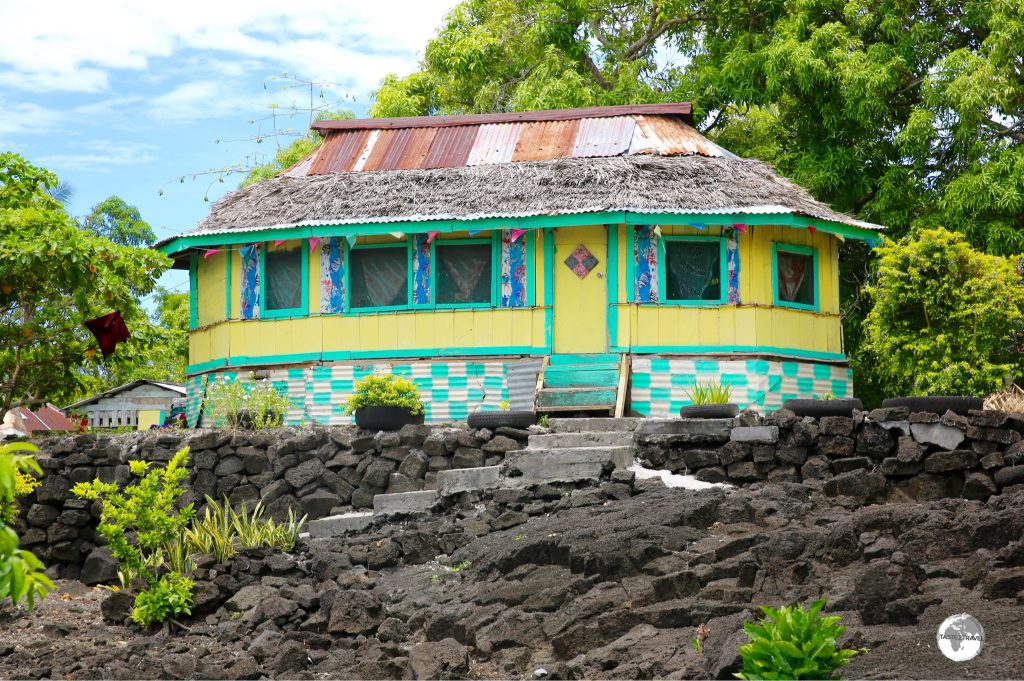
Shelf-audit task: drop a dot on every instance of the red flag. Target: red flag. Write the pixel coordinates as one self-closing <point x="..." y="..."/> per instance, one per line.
<point x="109" y="330"/>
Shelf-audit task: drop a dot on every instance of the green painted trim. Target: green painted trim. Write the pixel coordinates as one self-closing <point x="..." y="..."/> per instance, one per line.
<point x="549" y="291"/>
<point x="569" y="397"/>
<point x="630" y="263"/>
<point x="227" y="286"/>
<point x="612" y="275"/>
<point x="303" y="309"/>
<point x="802" y="250"/>
<point x="205" y="366"/>
<point x="723" y="272"/>
<point x="784" y="219"/>
<point x="193" y="291"/>
<point x="531" y="269"/>
<point x="735" y="349"/>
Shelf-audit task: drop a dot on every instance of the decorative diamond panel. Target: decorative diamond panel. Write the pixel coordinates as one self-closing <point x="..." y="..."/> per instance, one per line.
<point x="581" y="261"/>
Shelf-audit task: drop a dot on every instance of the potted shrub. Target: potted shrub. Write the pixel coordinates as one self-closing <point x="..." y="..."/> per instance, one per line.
<point x="504" y="417"/>
<point x="939" y="404"/>
<point x="237" y="405"/>
<point x="385" y="403"/>
<point x="825" y="405"/>
<point x="709" y="401"/>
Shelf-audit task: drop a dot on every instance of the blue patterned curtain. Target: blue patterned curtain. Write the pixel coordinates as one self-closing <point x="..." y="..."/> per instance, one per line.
<point x="332" y="276"/>
<point x="645" y="253"/>
<point x="421" y="269"/>
<point x="513" y="270"/>
<point x="732" y="262"/>
<point x="250" y="281"/>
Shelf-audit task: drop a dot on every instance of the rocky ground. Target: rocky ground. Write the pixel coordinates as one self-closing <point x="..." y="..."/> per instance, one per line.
<point x="606" y="582"/>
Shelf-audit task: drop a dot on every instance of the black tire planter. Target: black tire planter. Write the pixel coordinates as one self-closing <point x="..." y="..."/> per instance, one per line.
<point x="709" y="411"/>
<point x="938" y="404"/>
<point x="386" y="418"/>
<point x="501" y="419"/>
<point x="818" y="408"/>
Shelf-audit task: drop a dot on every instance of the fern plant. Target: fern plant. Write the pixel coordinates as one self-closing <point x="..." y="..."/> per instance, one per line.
<point x="793" y="643"/>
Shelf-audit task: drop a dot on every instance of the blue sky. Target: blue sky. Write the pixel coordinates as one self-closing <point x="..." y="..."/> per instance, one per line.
<point x="126" y="97"/>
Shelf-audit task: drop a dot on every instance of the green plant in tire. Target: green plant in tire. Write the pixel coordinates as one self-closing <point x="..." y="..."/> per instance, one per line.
<point x="385" y="391"/>
<point x="794" y="642"/>
<point x="709" y="393"/>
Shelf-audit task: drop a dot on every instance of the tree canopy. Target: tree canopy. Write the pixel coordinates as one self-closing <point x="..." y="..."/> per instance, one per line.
<point x="120" y="222"/>
<point x="53" y="277"/>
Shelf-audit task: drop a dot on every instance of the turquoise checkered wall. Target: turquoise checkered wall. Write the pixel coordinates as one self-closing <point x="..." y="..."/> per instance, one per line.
<point x="659" y="386"/>
<point x="450" y="390"/>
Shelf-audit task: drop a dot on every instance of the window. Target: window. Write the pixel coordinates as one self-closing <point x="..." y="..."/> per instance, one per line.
<point x="379" y="277"/>
<point x="463" y="273"/>
<point x="285" y="281"/>
<point x="796" y="276"/>
<point x="693" y="270"/>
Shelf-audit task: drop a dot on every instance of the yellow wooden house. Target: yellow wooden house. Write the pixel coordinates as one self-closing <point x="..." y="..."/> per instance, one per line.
<point x="582" y="259"/>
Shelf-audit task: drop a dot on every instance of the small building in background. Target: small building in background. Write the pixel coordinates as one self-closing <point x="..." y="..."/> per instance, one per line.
<point x="138" y="404"/>
<point x="25" y="421"/>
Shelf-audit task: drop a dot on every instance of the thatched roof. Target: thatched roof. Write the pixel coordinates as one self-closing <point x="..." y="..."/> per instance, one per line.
<point x="677" y="184"/>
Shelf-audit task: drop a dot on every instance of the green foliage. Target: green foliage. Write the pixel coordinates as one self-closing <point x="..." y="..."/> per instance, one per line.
<point x="141" y="521"/>
<point x="793" y="642"/>
<point x="935" y="327"/>
<point x="21" y="573"/>
<point x="171" y="596"/>
<point x="53" y="276"/>
<point x="709" y="393"/>
<point x="229" y="399"/>
<point x="24" y="483"/>
<point x="120" y="222"/>
<point x="222" y="526"/>
<point x="385" y="391"/>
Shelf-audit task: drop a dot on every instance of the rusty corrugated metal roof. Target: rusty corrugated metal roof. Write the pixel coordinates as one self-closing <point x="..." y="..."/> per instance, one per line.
<point x="530" y="136"/>
<point x="545" y="140"/>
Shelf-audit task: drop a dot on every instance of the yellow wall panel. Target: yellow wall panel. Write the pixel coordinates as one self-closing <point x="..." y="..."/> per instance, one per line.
<point x="236" y="285"/>
<point x="314" y="277"/>
<point x="211" y="293"/>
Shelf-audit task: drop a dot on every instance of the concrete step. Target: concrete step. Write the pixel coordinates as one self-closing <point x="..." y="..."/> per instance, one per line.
<point x="404" y="502"/>
<point x="593" y="425"/>
<point x="606" y="438"/>
<point x="618" y="457"/>
<point x="467" y="480"/>
<point x="336" y="525"/>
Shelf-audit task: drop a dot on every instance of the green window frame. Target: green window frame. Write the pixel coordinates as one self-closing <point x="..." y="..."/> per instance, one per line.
<point x="778" y="247"/>
<point x="193" y="291"/>
<point x="349" y="307"/>
<point x="303" y="308"/>
<point x="495" y="244"/>
<point x="663" y="271"/>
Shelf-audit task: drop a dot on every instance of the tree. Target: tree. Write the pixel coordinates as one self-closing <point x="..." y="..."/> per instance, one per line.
<point x="935" y="326"/>
<point x="53" y="277"/>
<point x="120" y="222"/>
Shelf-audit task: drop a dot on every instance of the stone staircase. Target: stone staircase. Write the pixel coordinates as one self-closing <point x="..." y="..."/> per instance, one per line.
<point x="575" y="450"/>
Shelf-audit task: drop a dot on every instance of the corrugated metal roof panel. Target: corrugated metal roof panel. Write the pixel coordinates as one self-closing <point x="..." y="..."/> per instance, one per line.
<point x="416" y="148"/>
<point x="381" y="149"/>
<point x="545" y="140"/>
<point x="604" y="136"/>
<point x="670" y="136"/>
<point x="451" y="147"/>
<point x="371" y="142"/>
<point x="339" y="152"/>
<point x="301" y="169"/>
<point x="494" y="144"/>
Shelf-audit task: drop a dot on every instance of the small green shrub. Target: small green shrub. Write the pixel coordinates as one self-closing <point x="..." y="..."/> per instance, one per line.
<point x="171" y="596"/>
<point x="228" y="399"/>
<point x="24" y="483"/>
<point x="140" y="522"/>
<point x="793" y="643"/>
<point x="709" y="393"/>
<point x="385" y="391"/>
<point x="21" y="572"/>
<point x="222" y="526"/>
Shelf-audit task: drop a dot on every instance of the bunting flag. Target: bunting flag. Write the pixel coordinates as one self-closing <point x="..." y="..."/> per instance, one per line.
<point x="351" y="239"/>
<point x="514" y="234"/>
<point x="279" y="242"/>
<point x="397" y="235"/>
<point x="210" y="251"/>
<point x="109" y="330"/>
<point x="699" y="225"/>
<point x="841" y="237"/>
<point x="313" y="241"/>
<point x="474" y="232"/>
<point x="812" y="229"/>
<point x="431" y="235"/>
<point x="246" y="251"/>
<point x="740" y="227"/>
<point x="657" y="231"/>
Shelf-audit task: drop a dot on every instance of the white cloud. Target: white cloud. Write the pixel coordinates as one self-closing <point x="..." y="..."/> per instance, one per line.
<point x="26" y="118"/>
<point x="100" y="155"/>
<point x="75" y="47"/>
